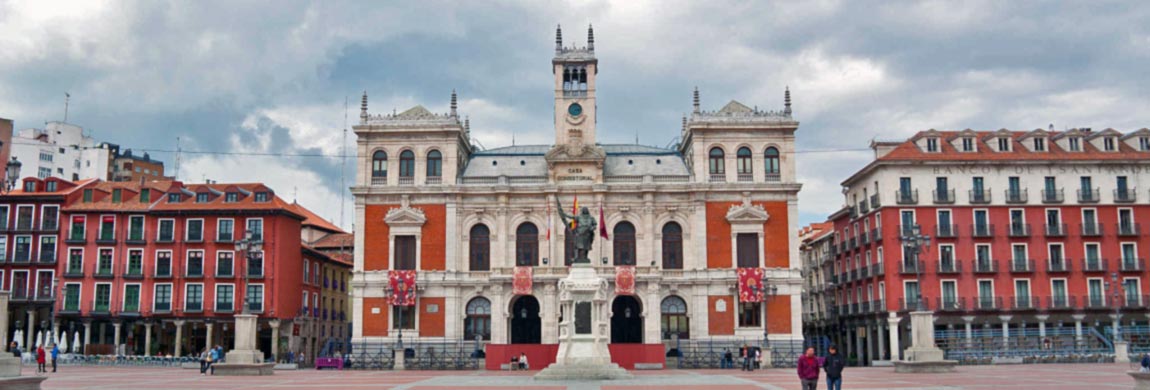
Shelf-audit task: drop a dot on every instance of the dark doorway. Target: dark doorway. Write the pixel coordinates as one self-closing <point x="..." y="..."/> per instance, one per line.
<point x="626" y="320"/>
<point x="525" y="323"/>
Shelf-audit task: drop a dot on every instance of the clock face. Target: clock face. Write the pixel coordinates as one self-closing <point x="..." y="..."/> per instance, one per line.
<point x="575" y="109"/>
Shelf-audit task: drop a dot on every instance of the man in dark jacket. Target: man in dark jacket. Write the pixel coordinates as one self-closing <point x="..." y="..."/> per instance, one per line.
<point x="809" y="370"/>
<point x="833" y="365"/>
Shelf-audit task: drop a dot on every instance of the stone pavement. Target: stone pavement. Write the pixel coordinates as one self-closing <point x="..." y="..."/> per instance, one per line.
<point x="1046" y="377"/>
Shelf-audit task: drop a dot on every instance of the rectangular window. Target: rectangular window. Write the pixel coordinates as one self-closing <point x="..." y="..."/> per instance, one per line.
<point x="224" y="230"/>
<point x="107" y="228"/>
<point x="75" y="261"/>
<point x="72" y="297"/>
<point x="4" y="217"/>
<point x="132" y="298"/>
<point x="194" y="297"/>
<point x="1075" y="145"/>
<point x="1144" y="143"/>
<point x="1039" y="144"/>
<point x="104" y="262"/>
<point x="986" y="294"/>
<point x="225" y="295"/>
<point x="907" y="218"/>
<point x="117" y="195"/>
<point x="256" y="229"/>
<point x="946" y="258"/>
<point x="932" y="144"/>
<point x="23" y="249"/>
<point x="949" y="295"/>
<point x="1133" y="292"/>
<point x="1093" y="261"/>
<point x="52" y="186"/>
<point x="76" y="231"/>
<point x="1014" y="188"/>
<point x="224" y="262"/>
<point x="136" y="228"/>
<point x="255" y="263"/>
<point x="162" y="300"/>
<point x="231" y="197"/>
<point x="1058" y="293"/>
<point x="202" y="197"/>
<point x="1003" y="144"/>
<point x="103" y="300"/>
<point x="1129" y="256"/>
<point x="166" y="231"/>
<point x="1097" y="296"/>
<point x="255" y="298"/>
<point x="747" y="245"/>
<point x="904" y="187"/>
<point x="163" y="263"/>
<point x="195" y="230"/>
<point x="195" y="264"/>
<point x="967" y="144"/>
<point x="135" y="262"/>
<point x="911" y="289"/>
<point x="174" y="198"/>
<point x="88" y="195"/>
<point x="50" y="217"/>
<point x="404" y="252"/>
<point x="750" y="314"/>
<point x="24" y="218"/>
<point x="261" y="197"/>
<point x="982" y="257"/>
<point x="404" y="317"/>
<point x="1022" y="294"/>
<point x="1108" y="144"/>
<point x="145" y="195"/>
<point x="1056" y="260"/>
<point x="47" y="249"/>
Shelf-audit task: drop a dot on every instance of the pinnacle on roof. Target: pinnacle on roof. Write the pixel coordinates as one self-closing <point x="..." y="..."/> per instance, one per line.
<point x="787" y="100"/>
<point x="696" y="99"/>
<point x="590" y="38"/>
<point x="363" y="108"/>
<point x="453" y="104"/>
<point x="558" y="38"/>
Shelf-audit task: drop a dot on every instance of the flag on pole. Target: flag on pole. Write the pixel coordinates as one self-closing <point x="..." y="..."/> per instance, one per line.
<point x="575" y="211"/>
<point x="602" y="226"/>
<point x="548" y="221"/>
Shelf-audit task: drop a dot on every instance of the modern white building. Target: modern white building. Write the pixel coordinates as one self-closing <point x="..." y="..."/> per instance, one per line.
<point x="61" y="150"/>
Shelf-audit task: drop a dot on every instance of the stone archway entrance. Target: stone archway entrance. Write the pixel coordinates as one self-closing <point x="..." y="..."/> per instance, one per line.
<point x="626" y="320"/>
<point x="526" y="326"/>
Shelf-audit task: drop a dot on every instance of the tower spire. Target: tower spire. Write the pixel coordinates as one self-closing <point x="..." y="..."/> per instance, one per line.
<point x="684" y="128"/>
<point x="696" y="99"/>
<point x="558" y="38"/>
<point x="787" y="101"/>
<point x="590" y="38"/>
<point x="363" y="108"/>
<point x="453" y="104"/>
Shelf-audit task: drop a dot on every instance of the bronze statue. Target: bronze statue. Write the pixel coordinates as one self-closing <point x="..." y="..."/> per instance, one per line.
<point x="583" y="233"/>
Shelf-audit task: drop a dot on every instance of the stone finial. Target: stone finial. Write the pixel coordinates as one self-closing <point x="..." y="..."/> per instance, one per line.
<point x="684" y="122"/>
<point x="558" y="38"/>
<point x="696" y="99"/>
<point x="363" y="108"/>
<point x="467" y="125"/>
<point x="787" y="101"/>
<point x="454" y="106"/>
<point x="590" y="38"/>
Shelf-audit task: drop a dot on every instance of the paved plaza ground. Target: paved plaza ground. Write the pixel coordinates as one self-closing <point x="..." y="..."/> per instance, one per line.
<point x="1046" y="377"/>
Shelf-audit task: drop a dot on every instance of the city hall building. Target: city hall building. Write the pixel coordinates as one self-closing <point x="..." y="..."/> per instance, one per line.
<point x="461" y="243"/>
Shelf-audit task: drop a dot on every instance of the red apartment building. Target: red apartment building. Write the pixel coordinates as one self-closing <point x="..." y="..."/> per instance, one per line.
<point x="1030" y="230"/>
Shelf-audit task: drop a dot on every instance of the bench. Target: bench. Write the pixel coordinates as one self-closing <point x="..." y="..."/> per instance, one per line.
<point x="510" y="367"/>
<point x="1006" y="360"/>
<point x="648" y="366"/>
<point x="336" y="363"/>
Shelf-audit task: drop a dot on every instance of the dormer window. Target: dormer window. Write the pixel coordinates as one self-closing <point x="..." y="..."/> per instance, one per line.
<point x="145" y="195"/>
<point x="1144" y="144"/>
<point x="29" y="186"/>
<point x="1108" y="144"/>
<point x="117" y="195"/>
<point x="261" y="196"/>
<point x="231" y="197"/>
<point x="1040" y="144"/>
<point x="174" y="198"/>
<point x="932" y="145"/>
<point x="201" y="197"/>
<point x="51" y="186"/>
<point x="88" y="195"/>
<point x="967" y="144"/>
<point x="1003" y="144"/>
<point x="1075" y="144"/>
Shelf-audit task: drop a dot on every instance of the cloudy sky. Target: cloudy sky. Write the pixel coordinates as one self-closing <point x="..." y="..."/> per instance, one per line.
<point x="260" y="80"/>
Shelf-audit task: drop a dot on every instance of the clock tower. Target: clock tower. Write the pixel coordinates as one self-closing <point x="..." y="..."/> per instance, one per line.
<point x="575" y="69"/>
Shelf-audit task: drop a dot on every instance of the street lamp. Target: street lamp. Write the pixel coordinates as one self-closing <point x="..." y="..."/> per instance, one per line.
<point x="1113" y="287"/>
<point x="11" y="174"/>
<point x="914" y="243"/>
<point x="766" y="291"/>
<point x="250" y="245"/>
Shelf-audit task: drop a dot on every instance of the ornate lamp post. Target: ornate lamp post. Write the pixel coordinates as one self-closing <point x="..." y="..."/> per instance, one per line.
<point x="250" y="245"/>
<point x="914" y="244"/>
<point x="11" y="174"/>
<point x="1113" y="286"/>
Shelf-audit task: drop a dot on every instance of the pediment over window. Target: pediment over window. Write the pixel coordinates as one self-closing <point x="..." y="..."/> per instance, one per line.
<point x="405" y="216"/>
<point x="747" y="213"/>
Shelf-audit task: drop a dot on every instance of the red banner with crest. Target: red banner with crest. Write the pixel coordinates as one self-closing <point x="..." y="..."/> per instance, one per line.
<point x="625" y="280"/>
<point x="402" y="283"/>
<point x="750" y="284"/>
<point x="521" y="280"/>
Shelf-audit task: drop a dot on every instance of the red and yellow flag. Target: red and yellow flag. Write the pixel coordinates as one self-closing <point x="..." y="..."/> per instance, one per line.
<point x="574" y="212"/>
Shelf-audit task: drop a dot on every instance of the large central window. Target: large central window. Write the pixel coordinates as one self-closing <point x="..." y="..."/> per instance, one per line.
<point x="406" y="164"/>
<point x="747" y="245"/>
<point x="624" y="243"/>
<point x="527" y="245"/>
<point x="404" y="252"/>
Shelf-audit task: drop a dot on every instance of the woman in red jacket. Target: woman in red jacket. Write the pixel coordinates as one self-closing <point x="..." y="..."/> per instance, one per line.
<point x="40" y="360"/>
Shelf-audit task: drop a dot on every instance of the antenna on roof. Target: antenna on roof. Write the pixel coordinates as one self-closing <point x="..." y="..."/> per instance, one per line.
<point x="67" y="97"/>
<point x="177" y="175"/>
<point x="343" y="163"/>
<point x="293" y="193"/>
<point x="512" y="139"/>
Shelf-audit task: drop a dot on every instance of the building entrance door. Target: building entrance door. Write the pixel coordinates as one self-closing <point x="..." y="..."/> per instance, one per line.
<point x="525" y="323"/>
<point x="626" y="320"/>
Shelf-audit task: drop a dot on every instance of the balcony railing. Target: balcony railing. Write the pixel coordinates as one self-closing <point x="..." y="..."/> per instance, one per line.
<point x="1093" y="265"/>
<point x="1019" y="229"/>
<point x="1015" y="197"/>
<point x="434" y="180"/>
<point x="874" y="201"/>
<point x="1058" y="265"/>
<point x="979" y="197"/>
<point x="718" y="177"/>
<point x="985" y="267"/>
<point x="1025" y="303"/>
<point x="1088" y="196"/>
<point x="1061" y="303"/>
<point x="771" y="177"/>
<point x="863" y="207"/>
<point x="1129" y="229"/>
<point x="942" y="196"/>
<point x="746" y="177"/>
<point x="874" y="234"/>
<point x="913" y="304"/>
<point x="403" y="181"/>
<point x="1128" y="195"/>
<point x="1021" y="265"/>
<point x="378" y="180"/>
<point x="906" y="230"/>
<point x="1055" y="229"/>
<point x="1096" y="302"/>
<point x="951" y="304"/>
<point x="982" y="231"/>
<point x="906" y="197"/>
<point x="946" y="231"/>
<point x="950" y="267"/>
<point x="1091" y="230"/>
<point x="988" y="303"/>
<point x="1053" y="196"/>
<point x="877" y="270"/>
<point x="910" y="267"/>
<point x="1132" y="265"/>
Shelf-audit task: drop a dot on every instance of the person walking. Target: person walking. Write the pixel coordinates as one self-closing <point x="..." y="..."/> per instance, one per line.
<point x="55" y="355"/>
<point x="758" y="358"/>
<point x="833" y="365"/>
<point x="809" y="370"/>
<point x="40" y="360"/>
<point x="14" y="348"/>
<point x="728" y="360"/>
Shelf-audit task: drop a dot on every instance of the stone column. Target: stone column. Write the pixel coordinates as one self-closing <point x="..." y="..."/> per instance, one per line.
<point x="868" y="342"/>
<point x="652" y="333"/>
<point x="87" y="336"/>
<point x="1078" y="328"/>
<point x="148" y="338"/>
<point x="859" y="349"/>
<point x="209" y="341"/>
<point x="549" y="315"/>
<point x="1005" y="331"/>
<point x="116" y="336"/>
<point x="1115" y="323"/>
<point x="4" y="320"/>
<point x="275" y="324"/>
<point x="31" y="335"/>
<point x="1042" y="325"/>
<point x="967" y="320"/>
<point x="892" y="328"/>
<point x="880" y="329"/>
<point x="179" y="337"/>
<point x="55" y="333"/>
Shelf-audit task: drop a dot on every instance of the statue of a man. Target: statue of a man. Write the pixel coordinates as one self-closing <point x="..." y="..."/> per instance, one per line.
<point x="583" y="233"/>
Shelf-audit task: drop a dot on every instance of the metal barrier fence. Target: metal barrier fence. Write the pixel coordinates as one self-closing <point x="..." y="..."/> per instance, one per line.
<point x="1027" y="346"/>
<point x="111" y="360"/>
<point x="710" y="353"/>
<point x="418" y="355"/>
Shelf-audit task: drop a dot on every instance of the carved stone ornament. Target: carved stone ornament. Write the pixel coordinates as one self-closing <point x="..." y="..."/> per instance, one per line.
<point x="405" y="216"/>
<point x="747" y="213"/>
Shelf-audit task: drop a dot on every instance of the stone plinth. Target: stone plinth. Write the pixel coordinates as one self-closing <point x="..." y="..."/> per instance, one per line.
<point x="244" y="369"/>
<point x="932" y="367"/>
<point x="245" y="359"/>
<point x="9" y="366"/>
<point x="1121" y="352"/>
<point x="923" y="356"/>
<point x="583" y="335"/>
<point x="1141" y="380"/>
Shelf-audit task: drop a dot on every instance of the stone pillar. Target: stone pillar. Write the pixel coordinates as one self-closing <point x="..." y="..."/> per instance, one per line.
<point x="275" y="324"/>
<point x="499" y="314"/>
<point x="1115" y="323"/>
<point x="652" y="333"/>
<point x="1005" y="331"/>
<point x="209" y="341"/>
<point x="880" y="330"/>
<point x="549" y="315"/>
<point x="148" y="338"/>
<point x="179" y="337"/>
<point x="87" y="336"/>
<point x="4" y="320"/>
<point x="967" y="320"/>
<point x="31" y="335"/>
<point x="246" y="333"/>
<point x="868" y="342"/>
<point x="1121" y="352"/>
<point x="116" y="336"/>
<point x="103" y="332"/>
<point x="1078" y="328"/>
<point x="892" y="328"/>
<point x="1042" y="324"/>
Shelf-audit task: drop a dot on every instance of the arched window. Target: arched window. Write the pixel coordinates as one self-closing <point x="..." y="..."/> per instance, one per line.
<point x="672" y="246"/>
<point x="716" y="165"/>
<point x="674" y="318"/>
<point x="527" y="245"/>
<point x="772" y="161"/>
<point x="406" y="164"/>
<point x="744" y="161"/>
<point x="379" y="164"/>
<point x="434" y="164"/>
<point x="478" y="321"/>
<point x="480" y="248"/>
<point x="624" y="243"/>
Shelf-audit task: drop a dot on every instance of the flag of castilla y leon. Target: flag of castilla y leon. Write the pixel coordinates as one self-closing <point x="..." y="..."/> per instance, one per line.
<point x="402" y="283"/>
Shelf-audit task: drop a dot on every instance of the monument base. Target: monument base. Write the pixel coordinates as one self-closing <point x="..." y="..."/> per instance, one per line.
<point x="928" y="367"/>
<point x="22" y="382"/>
<point x="576" y="372"/>
<point x="1141" y="379"/>
<point x="244" y="369"/>
<point x="915" y="354"/>
<point x="9" y="367"/>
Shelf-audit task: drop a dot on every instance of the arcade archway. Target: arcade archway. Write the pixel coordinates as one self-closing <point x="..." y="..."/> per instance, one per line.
<point x="626" y="320"/>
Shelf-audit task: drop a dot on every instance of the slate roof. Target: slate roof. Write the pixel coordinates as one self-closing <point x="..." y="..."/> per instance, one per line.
<point x="909" y="151"/>
<point x="622" y="160"/>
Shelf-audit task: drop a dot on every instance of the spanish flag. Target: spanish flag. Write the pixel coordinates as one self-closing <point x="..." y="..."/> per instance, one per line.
<point x="575" y="211"/>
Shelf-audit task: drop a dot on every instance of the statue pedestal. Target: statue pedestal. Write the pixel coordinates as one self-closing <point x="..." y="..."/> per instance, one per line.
<point x="923" y="356"/>
<point x="245" y="359"/>
<point x="583" y="335"/>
